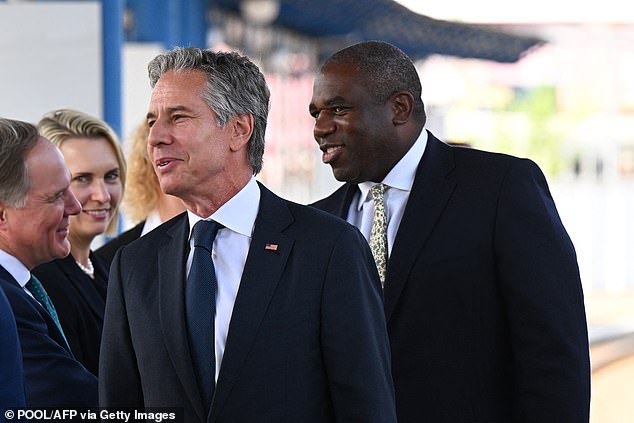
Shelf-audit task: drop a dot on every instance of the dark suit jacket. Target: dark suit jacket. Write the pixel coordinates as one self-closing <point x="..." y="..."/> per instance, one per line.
<point x="483" y="298"/>
<point x="307" y="340"/>
<point x="11" y="374"/>
<point x="80" y="303"/>
<point x="110" y="248"/>
<point x="53" y="378"/>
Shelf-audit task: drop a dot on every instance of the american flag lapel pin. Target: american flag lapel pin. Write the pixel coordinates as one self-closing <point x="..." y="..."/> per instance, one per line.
<point x="271" y="247"/>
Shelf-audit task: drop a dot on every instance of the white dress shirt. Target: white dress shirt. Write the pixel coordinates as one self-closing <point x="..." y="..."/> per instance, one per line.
<point x="15" y="267"/>
<point x="229" y="254"/>
<point x="152" y="220"/>
<point x="398" y="184"/>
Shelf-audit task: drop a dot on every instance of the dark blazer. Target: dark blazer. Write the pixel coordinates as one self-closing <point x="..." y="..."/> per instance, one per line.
<point x="307" y="340"/>
<point x="483" y="298"/>
<point x="110" y="248"/>
<point x="11" y="374"/>
<point x="80" y="303"/>
<point x="53" y="378"/>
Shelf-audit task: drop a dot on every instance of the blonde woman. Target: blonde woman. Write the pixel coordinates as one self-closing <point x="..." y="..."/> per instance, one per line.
<point x="144" y="204"/>
<point x="77" y="283"/>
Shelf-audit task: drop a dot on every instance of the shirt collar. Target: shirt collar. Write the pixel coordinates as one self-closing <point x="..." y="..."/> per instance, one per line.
<point x="238" y="214"/>
<point x="152" y="220"/>
<point x="15" y="267"/>
<point x="402" y="174"/>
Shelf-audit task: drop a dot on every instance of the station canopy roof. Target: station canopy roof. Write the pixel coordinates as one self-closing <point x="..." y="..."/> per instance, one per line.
<point x="417" y="35"/>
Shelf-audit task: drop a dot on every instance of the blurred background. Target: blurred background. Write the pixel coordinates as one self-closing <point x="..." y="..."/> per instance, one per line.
<point x="551" y="81"/>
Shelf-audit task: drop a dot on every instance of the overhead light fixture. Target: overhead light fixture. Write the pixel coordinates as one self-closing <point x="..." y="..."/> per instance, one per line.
<point x="260" y="12"/>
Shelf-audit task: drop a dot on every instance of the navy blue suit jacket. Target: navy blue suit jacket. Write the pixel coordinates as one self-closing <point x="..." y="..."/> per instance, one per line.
<point x="483" y="298"/>
<point x="11" y="374"/>
<point x="80" y="303"/>
<point x="307" y="340"/>
<point x="110" y="248"/>
<point x="53" y="378"/>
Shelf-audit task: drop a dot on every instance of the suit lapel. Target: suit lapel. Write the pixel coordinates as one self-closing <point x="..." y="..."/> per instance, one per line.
<point x="262" y="272"/>
<point x="171" y="283"/>
<point x="433" y="186"/>
<point x="338" y="203"/>
<point x="53" y="330"/>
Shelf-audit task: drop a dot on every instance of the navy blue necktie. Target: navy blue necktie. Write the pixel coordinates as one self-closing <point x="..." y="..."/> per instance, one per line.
<point x="200" y="307"/>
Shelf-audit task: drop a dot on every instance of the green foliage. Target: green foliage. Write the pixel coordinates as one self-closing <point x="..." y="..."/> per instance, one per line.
<point x="534" y="132"/>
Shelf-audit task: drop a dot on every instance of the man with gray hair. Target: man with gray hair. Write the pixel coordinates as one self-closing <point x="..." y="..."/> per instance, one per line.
<point x="246" y="308"/>
<point x="35" y="209"/>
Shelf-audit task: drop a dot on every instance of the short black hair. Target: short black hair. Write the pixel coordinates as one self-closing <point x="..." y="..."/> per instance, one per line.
<point x="386" y="69"/>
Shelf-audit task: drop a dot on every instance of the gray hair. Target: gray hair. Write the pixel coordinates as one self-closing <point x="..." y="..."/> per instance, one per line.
<point x="386" y="70"/>
<point x="17" y="139"/>
<point x="235" y="86"/>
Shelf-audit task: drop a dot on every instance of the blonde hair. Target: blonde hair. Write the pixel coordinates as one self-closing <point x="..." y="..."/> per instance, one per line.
<point x="62" y="124"/>
<point x="143" y="188"/>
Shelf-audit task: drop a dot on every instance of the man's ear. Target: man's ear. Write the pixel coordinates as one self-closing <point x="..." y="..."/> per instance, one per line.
<point x="242" y="128"/>
<point x="3" y="215"/>
<point x="402" y="107"/>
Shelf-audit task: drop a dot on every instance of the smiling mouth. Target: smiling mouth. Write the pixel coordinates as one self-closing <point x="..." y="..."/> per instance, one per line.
<point x="330" y="152"/>
<point x="331" y="149"/>
<point x="165" y="164"/>
<point x="97" y="213"/>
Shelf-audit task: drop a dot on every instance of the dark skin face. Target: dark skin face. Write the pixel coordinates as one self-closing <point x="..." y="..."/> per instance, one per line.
<point x="361" y="139"/>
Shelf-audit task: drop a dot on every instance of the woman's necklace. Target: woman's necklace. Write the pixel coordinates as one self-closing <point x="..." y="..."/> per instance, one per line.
<point x="89" y="270"/>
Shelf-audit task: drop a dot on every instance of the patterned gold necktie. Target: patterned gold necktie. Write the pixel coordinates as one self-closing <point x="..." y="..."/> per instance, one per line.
<point x="378" y="236"/>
